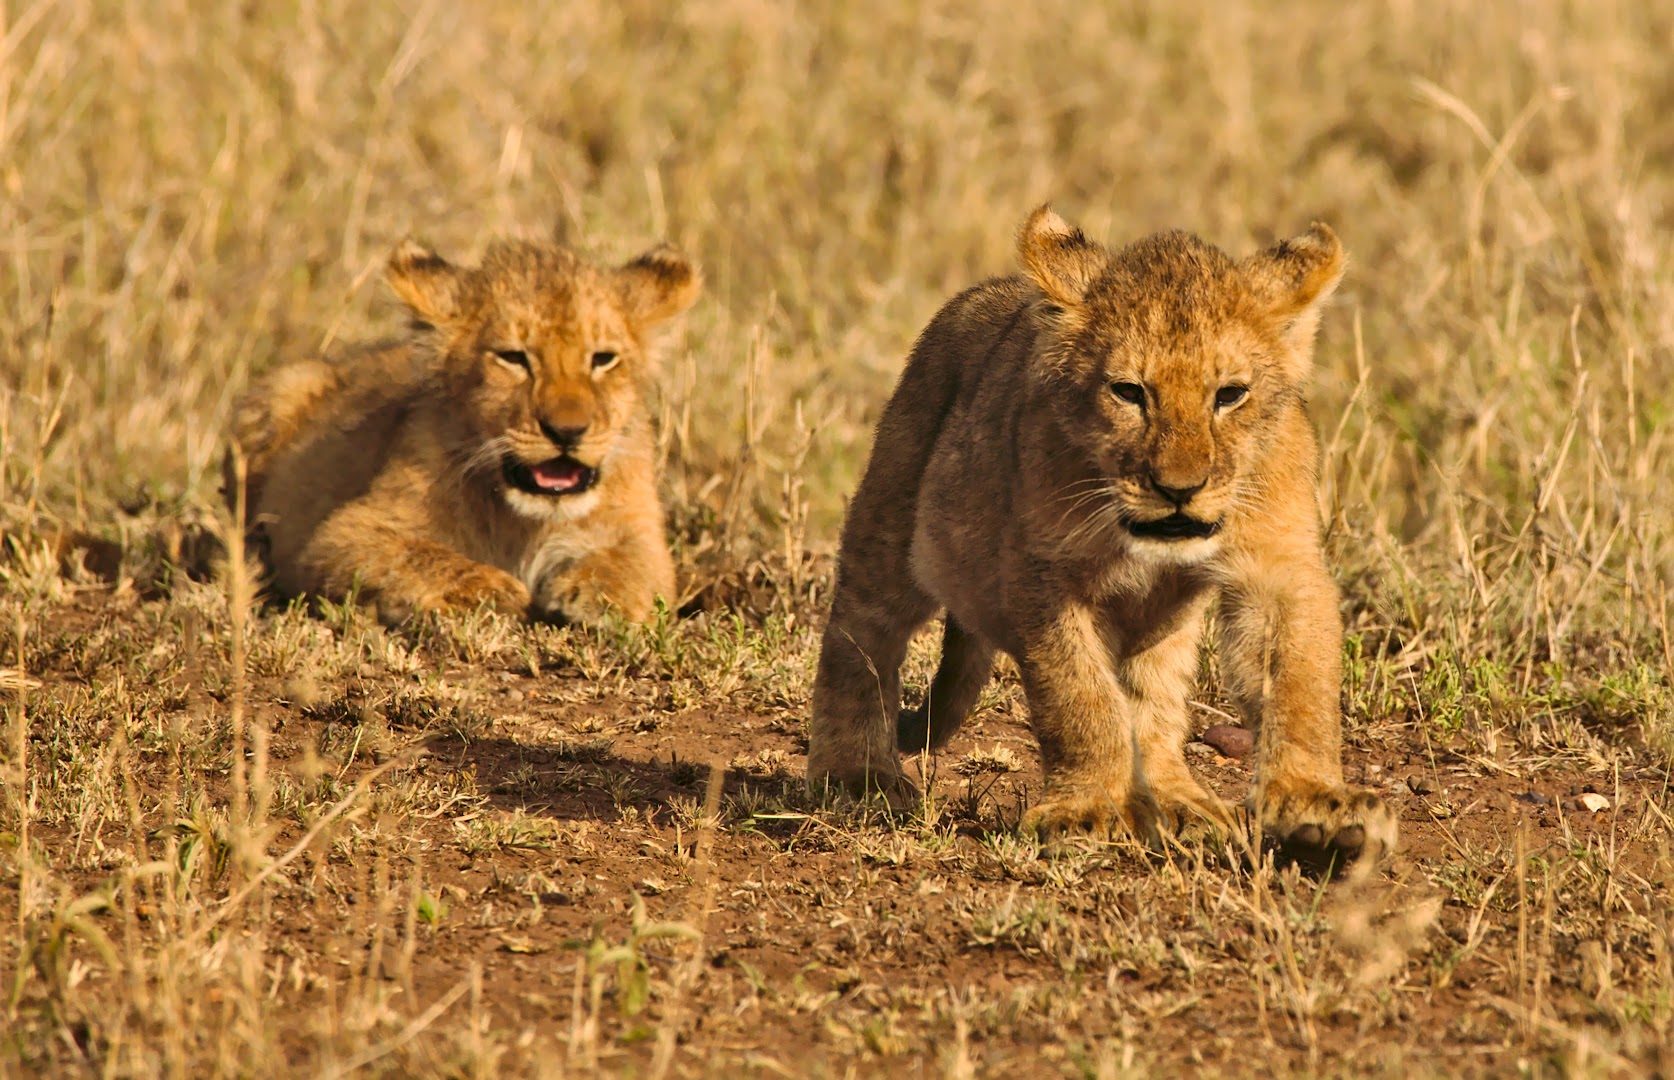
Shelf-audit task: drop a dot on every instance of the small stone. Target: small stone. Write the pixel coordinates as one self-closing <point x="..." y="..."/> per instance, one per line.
<point x="1231" y="741"/>
<point x="1419" y="784"/>
<point x="1593" y="802"/>
<point x="519" y="943"/>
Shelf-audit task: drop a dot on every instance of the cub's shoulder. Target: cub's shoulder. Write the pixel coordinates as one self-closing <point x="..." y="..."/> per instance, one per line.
<point x="967" y="330"/>
<point x="986" y="306"/>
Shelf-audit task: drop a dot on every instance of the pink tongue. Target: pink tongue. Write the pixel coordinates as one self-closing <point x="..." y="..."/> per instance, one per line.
<point x="557" y="475"/>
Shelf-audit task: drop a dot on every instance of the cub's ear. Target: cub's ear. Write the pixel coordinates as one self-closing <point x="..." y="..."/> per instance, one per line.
<point x="658" y="285"/>
<point x="1059" y="258"/>
<point x="1292" y="279"/>
<point x="425" y="282"/>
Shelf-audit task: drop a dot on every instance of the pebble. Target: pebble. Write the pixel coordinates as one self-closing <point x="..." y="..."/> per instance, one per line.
<point x="1592" y="802"/>
<point x="1420" y="785"/>
<point x="1231" y="741"/>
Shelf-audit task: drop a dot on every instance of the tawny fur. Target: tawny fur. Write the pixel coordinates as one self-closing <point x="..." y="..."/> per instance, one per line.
<point x="1040" y="417"/>
<point x="388" y="473"/>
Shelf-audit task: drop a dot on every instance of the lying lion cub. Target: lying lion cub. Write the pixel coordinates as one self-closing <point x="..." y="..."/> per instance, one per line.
<point x="501" y="454"/>
<point x="1076" y="464"/>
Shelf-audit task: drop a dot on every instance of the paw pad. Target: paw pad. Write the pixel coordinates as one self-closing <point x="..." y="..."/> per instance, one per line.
<point x="1328" y="828"/>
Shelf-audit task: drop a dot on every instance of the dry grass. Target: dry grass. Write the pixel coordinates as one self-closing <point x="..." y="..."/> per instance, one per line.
<point x="232" y="837"/>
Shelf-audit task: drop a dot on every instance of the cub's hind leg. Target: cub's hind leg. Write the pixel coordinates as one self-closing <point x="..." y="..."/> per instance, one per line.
<point x="966" y="664"/>
<point x="281" y="405"/>
<point x="878" y="603"/>
<point x="267" y="420"/>
<point x="877" y="607"/>
<point x="857" y="690"/>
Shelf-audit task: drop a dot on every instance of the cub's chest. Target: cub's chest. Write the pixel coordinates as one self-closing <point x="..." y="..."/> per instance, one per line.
<point x="1144" y="600"/>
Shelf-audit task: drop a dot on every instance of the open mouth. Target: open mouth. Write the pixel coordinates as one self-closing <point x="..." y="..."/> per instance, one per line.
<point x="1176" y="526"/>
<point x="562" y="475"/>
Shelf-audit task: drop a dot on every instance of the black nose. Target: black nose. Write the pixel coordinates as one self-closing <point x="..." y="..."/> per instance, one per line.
<point x="1178" y="495"/>
<point x="564" y="438"/>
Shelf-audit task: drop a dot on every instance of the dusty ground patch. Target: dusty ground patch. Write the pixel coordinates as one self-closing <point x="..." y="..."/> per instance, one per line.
<point x="528" y="880"/>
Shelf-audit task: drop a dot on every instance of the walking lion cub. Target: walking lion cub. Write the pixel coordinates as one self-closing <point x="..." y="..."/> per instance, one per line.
<point x="502" y="453"/>
<point x="1077" y="463"/>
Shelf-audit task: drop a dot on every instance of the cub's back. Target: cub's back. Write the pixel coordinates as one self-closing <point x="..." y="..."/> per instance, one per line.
<point x="974" y="346"/>
<point x="978" y="339"/>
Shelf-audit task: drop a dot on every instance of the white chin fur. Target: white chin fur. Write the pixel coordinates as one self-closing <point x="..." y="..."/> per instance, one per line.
<point x="553" y="507"/>
<point x="1174" y="552"/>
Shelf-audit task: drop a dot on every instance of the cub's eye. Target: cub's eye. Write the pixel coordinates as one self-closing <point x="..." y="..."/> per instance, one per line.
<point x="1130" y="392"/>
<point x="604" y="359"/>
<point x="1228" y="396"/>
<point x="516" y="358"/>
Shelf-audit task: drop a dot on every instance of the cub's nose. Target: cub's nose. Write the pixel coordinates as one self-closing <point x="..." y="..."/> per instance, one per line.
<point x="1177" y="492"/>
<point x="564" y="437"/>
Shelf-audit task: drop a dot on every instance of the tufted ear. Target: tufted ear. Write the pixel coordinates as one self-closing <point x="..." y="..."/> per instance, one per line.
<point x="425" y="282"/>
<point x="1059" y="258"/>
<point x="658" y="285"/>
<point x="1293" y="278"/>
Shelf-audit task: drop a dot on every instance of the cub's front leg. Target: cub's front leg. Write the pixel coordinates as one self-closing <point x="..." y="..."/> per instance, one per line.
<point x="1282" y="644"/>
<point x="401" y="573"/>
<point x="1084" y="725"/>
<point x="629" y="577"/>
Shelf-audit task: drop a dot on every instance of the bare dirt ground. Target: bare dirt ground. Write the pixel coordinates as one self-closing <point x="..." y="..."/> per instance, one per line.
<point x="530" y="870"/>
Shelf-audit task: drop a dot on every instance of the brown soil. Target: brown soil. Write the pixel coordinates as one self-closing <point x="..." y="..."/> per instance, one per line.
<point x="832" y="939"/>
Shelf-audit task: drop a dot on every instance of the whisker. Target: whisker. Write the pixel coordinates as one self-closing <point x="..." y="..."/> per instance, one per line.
<point x="1082" y="487"/>
<point x="1096" y="524"/>
<point x="1083" y="499"/>
<point x="486" y="454"/>
<point x="1086" y="497"/>
<point x="1085" y="481"/>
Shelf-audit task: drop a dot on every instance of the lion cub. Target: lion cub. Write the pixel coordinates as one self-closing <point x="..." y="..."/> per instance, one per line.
<point x="1076" y="464"/>
<point x="502" y="453"/>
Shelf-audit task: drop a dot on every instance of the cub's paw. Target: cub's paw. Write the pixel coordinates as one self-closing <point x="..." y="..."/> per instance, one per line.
<point x="1096" y="811"/>
<point x="887" y="785"/>
<point x="1327" y="827"/>
<point x="1188" y="808"/>
<point x="566" y="602"/>
<point x="485" y="585"/>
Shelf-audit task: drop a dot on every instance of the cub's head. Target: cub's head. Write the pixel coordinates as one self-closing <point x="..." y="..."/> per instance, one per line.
<point x="545" y="357"/>
<point x="1175" y="368"/>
